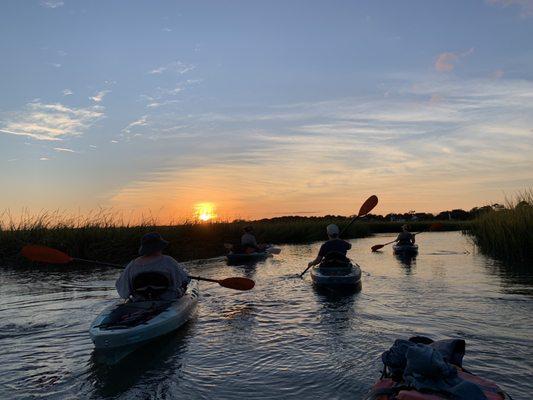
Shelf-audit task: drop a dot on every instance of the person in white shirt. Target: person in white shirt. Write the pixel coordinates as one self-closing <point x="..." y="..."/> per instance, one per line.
<point x="170" y="276"/>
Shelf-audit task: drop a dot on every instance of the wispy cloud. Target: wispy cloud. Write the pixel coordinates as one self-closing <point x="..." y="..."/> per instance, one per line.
<point x="98" y="97"/>
<point x="445" y="62"/>
<point x="326" y="149"/>
<point x="52" y="3"/>
<point x="177" y="67"/>
<point x="139" y="122"/>
<point x="67" y="92"/>
<point x="49" y="121"/>
<point x="44" y="159"/>
<point x="55" y="65"/>
<point x="526" y="6"/>
<point x="64" y="150"/>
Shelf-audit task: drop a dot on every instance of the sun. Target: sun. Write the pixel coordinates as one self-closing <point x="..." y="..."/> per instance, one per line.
<point x="204" y="212"/>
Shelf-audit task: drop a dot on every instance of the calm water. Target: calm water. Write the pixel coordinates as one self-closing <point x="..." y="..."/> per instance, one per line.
<point x="281" y="340"/>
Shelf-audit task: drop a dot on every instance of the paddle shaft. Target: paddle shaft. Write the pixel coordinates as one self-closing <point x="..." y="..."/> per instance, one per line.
<point x="99" y="262"/>
<point x="199" y="278"/>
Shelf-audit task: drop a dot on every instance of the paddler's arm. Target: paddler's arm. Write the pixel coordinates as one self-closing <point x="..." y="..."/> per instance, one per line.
<point x="316" y="261"/>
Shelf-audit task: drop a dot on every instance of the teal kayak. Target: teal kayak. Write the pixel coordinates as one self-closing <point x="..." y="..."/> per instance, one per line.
<point x="405" y="249"/>
<point x="348" y="276"/>
<point x="125" y="324"/>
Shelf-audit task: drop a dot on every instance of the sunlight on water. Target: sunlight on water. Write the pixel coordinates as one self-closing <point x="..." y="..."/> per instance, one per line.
<point x="283" y="339"/>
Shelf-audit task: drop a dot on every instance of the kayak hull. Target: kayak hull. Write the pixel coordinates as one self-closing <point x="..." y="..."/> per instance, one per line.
<point x="405" y="249"/>
<point x="169" y="320"/>
<point x="236" y="258"/>
<point x="333" y="277"/>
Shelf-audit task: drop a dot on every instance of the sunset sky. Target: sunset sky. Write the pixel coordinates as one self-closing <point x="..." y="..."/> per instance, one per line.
<point x="264" y="108"/>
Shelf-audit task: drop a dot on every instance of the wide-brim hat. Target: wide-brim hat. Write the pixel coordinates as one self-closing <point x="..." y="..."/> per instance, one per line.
<point x="152" y="243"/>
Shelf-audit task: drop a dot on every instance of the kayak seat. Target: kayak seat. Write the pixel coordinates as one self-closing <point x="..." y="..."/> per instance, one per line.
<point x="150" y="285"/>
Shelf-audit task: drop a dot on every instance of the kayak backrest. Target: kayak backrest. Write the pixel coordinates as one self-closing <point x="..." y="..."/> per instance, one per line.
<point x="150" y="285"/>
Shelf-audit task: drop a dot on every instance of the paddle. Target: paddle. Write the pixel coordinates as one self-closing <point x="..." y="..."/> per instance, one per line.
<point x="52" y="256"/>
<point x="432" y="227"/>
<point x="367" y="206"/>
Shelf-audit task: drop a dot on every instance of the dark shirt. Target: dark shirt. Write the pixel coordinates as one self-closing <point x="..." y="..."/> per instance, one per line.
<point x="334" y="245"/>
<point x="405" y="238"/>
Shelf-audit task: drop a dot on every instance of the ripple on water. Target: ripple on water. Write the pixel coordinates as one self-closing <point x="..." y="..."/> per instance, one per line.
<point x="281" y="340"/>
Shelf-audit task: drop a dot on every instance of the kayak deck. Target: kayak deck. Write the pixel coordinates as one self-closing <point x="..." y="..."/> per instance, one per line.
<point x="337" y="277"/>
<point x="405" y="249"/>
<point x="124" y="324"/>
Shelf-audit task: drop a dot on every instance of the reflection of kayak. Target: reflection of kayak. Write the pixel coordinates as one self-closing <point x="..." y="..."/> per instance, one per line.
<point x="345" y="276"/>
<point x="435" y="368"/>
<point x="126" y="324"/>
<point x="405" y="249"/>
<point x="236" y="258"/>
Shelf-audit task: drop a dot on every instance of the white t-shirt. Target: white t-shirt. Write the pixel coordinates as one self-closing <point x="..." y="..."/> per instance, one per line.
<point x="166" y="265"/>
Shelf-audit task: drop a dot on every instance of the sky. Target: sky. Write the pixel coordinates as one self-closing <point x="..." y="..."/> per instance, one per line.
<point x="263" y="108"/>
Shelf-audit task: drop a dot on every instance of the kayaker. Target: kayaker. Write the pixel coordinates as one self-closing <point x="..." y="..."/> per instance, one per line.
<point x="249" y="242"/>
<point x="334" y="245"/>
<point x="168" y="273"/>
<point x="405" y="238"/>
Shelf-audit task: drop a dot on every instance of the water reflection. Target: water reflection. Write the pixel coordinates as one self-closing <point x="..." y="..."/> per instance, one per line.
<point x="116" y="371"/>
<point x="407" y="262"/>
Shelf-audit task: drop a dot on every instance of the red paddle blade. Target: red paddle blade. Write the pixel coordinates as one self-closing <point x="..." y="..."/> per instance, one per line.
<point x="377" y="247"/>
<point x="237" y="283"/>
<point x="368" y="205"/>
<point x="45" y="254"/>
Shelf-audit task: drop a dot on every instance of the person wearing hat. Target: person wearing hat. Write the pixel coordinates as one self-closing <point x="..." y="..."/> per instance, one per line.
<point x="249" y="242"/>
<point x="334" y="245"/>
<point x="405" y="237"/>
<point x="152" y="263"/>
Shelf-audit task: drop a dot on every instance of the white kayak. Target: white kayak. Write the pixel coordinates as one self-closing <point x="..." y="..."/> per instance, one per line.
<point x="125" y="324"/>
<point x="337" y="277"/>
<point x="405" y="249"/>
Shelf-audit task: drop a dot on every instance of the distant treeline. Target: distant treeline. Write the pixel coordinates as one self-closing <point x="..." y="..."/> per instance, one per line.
<point x="450" y="215"/>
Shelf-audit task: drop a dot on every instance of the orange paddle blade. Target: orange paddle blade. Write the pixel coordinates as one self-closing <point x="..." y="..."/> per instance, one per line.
<point x="45" y="254"/>
<point x="237" y="283"/>
<point x="376" y="247"/>
<point x="368" y="205"/>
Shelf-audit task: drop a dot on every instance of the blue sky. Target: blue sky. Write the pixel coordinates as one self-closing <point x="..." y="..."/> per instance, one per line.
<point x="264" y="108"/>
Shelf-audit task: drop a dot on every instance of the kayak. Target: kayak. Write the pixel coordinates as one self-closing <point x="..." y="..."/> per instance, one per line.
<point x="436" y="371"/>
<point x="348" y="276"/>
<point x="243" y="258"/>
<point x="405" y="249"/>
<point x="125" y="324"/>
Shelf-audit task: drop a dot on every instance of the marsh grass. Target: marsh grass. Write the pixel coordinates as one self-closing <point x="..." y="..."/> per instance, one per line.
<point x="507" y="234"/>
<point x="105" y="237"/>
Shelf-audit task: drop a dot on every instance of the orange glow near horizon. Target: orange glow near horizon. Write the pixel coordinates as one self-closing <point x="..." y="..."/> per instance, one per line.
<point x="205" y="212"/>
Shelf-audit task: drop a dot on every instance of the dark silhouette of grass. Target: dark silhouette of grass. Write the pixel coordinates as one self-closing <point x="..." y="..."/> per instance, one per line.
<point x="103" y="237"/>
<point x="507" y="234"/>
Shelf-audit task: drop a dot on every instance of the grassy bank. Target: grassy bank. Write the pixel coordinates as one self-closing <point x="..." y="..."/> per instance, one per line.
<point x="108" y="240"/>
<point x="507" y="234"/>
